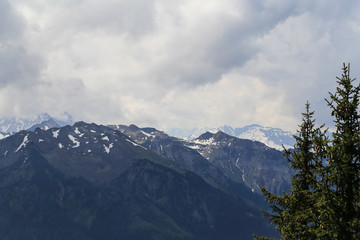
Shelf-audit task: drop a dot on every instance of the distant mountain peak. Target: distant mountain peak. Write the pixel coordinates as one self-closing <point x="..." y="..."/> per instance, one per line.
<point x="244" y="161"/>
<point x="45" y="125"/>
<point x="272" y="137"/>
<point x="11" y="125"/>
<point x="133" y="127"/>
<point x="206" y="136"/>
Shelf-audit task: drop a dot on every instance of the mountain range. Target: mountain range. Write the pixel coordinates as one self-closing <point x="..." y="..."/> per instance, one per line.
<point x="248" y="162"/>
<point x="89" y="181"/>
<point x="272" y="137"/>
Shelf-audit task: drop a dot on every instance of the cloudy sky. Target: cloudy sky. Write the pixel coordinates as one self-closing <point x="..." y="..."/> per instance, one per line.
<point x="183" y="63"/>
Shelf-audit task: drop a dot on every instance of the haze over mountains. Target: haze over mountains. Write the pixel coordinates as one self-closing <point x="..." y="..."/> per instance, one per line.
<point x="89" y="181"/>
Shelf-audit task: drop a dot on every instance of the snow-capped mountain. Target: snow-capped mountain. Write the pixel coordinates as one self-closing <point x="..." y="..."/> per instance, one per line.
<point x="15" y="124"/>
<point x="82" y="143"/>
<point x="45" y="125"/>
<point x="272" y="137"/>
<point x="98" y="183"/>
<point x="9" y="126"/>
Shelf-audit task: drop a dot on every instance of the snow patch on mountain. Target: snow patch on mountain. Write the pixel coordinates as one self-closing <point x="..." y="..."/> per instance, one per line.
<point x="148" y="134"/>
<point x="74" y="140"/>
<point x="107" y="149"/>
<point x="24" y="142"/>
<point x="135" y="144"/>
<point x="56" y="133"/>
<point x="4" y="135"/>
<point x="205" y="142"/>
<point x="77" y="131"/>
<point x="106" y="138"/>
<point x="195" y="147"/>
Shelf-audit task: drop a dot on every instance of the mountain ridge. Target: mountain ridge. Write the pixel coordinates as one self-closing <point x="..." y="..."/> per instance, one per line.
<point x="53" y="187"/>
<point x="272" y="137"/>
<point x="243" y="161"/>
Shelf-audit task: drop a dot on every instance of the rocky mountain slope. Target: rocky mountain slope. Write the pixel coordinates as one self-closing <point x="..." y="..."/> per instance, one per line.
<point x="177" y="151"/>
<point x="214" y="156"/>
<point x="246" y="161"/>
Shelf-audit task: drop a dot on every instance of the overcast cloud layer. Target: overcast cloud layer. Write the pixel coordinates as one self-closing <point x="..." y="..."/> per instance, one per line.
<point x="165" y="63"/>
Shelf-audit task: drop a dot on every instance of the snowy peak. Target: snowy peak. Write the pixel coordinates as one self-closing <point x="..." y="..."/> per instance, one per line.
<point x="205" y="136"/>
<point x="272" y="137"/>
<point x="45" y="125"/>
<point x="9" y="126"/>
<point x="15" y="124"/>
<point x="82" y="139"/>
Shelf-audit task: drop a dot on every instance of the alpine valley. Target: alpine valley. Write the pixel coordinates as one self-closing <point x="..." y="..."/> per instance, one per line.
<point x="89" y="181"/>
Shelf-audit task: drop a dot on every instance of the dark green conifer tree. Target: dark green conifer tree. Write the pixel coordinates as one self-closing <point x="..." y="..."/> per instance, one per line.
<point x="324" y="202"/>
<point x="344" y="159"/>
<point x="293" y="213"/>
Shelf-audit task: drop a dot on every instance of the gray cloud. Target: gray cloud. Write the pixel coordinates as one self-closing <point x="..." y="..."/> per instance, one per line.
<point x="303" y="54"/>
<point x="18" y="67"/>
<point x="219" y="41"/>
<point x="174" y="63"/>
<point x="11" y="24"/>
<point x="132" y="18"/>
